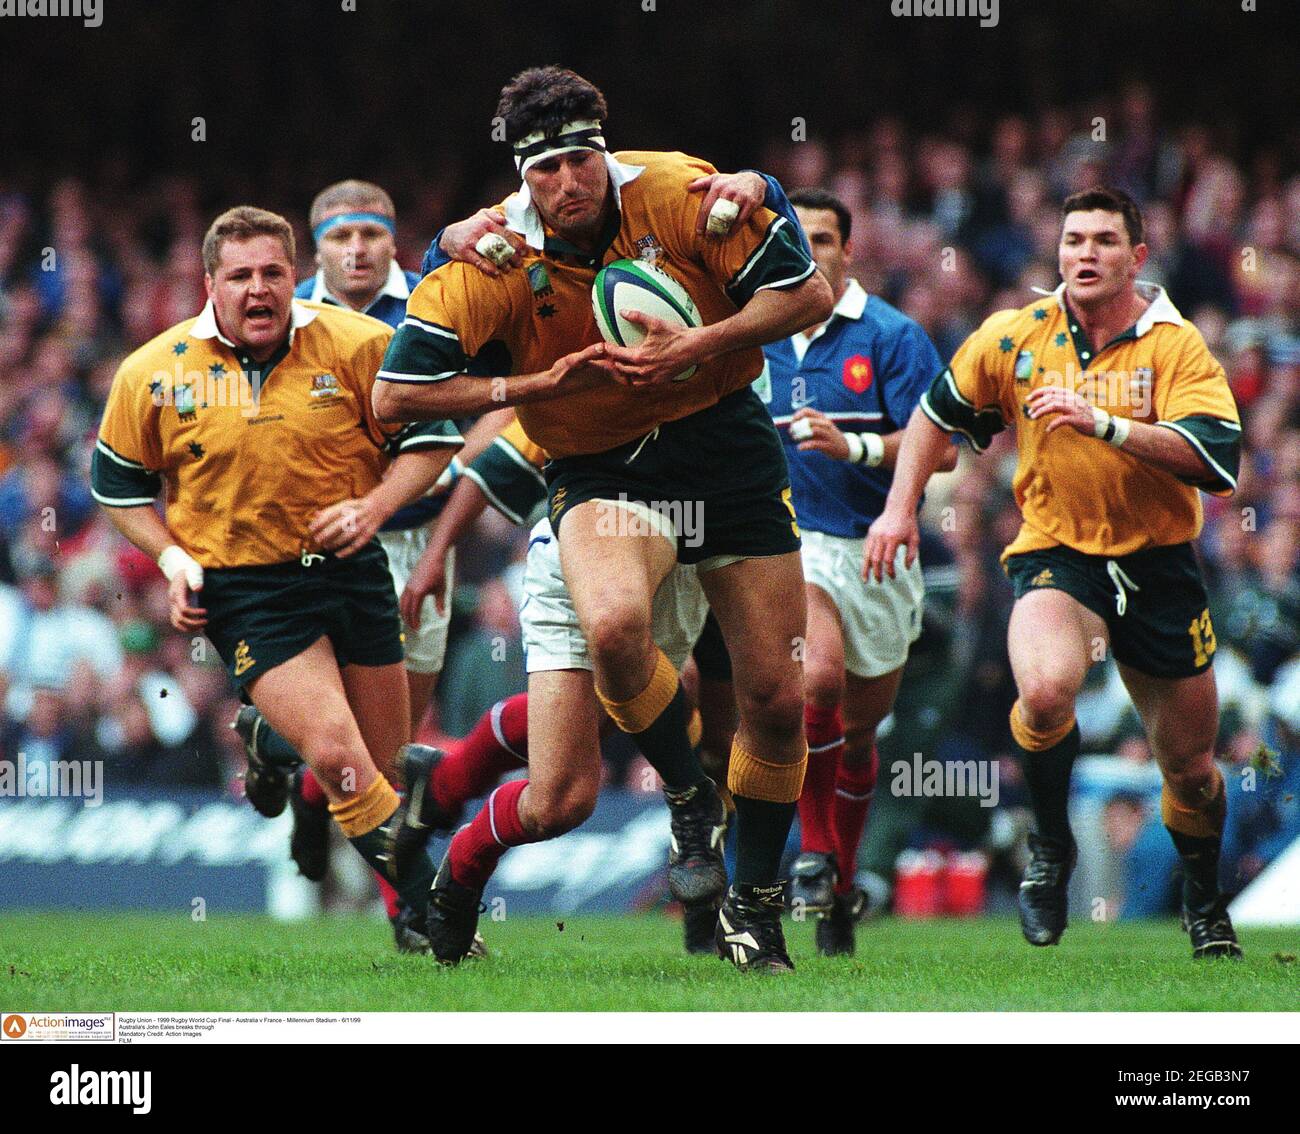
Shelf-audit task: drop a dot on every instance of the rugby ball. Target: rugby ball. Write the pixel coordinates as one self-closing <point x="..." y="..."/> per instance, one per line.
<point x="635" y="285"/>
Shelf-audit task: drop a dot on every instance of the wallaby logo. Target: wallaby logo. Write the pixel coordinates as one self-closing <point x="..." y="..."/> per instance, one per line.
<point x="75" y="1087"/>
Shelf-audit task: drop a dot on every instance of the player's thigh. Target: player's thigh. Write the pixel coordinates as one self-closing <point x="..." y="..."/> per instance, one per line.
<point x="824" y="648"/>
<point x="1180" y="715"/>
<point x="761" y="608"/>
<point x="563" y="739"/>
<point x="1052" y="639"/>
<point x="612" y="569"/>
<point x="868" y="701"/>
<point x="305" y="701"/>
<point x="380" y="701"/>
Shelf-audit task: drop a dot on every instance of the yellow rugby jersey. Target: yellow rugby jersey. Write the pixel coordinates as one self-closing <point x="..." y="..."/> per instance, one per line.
<point x="1076" y="490"/>
<point x="459" y="320"/>
<point x="508" y="473"/>
<point x="248" y="452"/>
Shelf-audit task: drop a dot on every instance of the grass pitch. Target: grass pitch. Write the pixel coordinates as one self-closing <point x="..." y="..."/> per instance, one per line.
<point x="156" y="963"/>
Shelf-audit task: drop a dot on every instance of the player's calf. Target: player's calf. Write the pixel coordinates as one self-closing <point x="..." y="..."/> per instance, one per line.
<point x="550" y="812"/>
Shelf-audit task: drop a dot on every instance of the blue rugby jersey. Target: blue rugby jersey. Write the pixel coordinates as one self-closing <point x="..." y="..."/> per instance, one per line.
<point x="866" y="371"/>
<point x="389" y="306"/>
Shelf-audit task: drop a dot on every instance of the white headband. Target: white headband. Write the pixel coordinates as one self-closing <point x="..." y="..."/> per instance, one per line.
<point x="583" y="134"/>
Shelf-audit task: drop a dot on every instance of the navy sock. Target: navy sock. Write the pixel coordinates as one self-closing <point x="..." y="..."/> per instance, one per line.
<point x="667" y="747"/>
<point x="761" y="831"/>
<point x="1047" y="775"/>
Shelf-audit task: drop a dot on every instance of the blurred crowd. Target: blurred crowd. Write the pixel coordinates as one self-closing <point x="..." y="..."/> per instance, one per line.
<point x="949" y="227"/>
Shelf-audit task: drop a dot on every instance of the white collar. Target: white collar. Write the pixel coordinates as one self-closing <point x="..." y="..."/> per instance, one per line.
<point x="395" y="285"/>
<point x="1160" y="308"/>
<point x="205" y="326"/>
<point x="522" y="215"/>
<point x="853" y="303"/>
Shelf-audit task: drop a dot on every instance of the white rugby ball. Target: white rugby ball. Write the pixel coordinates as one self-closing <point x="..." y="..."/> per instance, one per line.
<point x="635" y="285"/>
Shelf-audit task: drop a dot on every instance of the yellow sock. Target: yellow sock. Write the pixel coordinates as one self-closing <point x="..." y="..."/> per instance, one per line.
<point x="1033" y="741"/>
<point x="755" y="778"/>
<point x="639" y="713"/>
<point x="1204" y="822"/>
<point x="363" y="813"/>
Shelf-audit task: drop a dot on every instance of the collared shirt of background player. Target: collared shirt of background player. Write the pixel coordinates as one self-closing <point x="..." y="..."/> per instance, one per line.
<point x="1107" y="484"/>
<point x="842" y="392"/>
<point x="271" y="417"/>
<point x="592" y="400"/>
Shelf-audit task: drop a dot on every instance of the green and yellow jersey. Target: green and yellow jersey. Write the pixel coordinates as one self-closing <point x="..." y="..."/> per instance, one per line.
<point x="1078" y="491"/>
<point x="247" y="452"/>
<point x="508" y="472"/>
<point x="524" y="320"/>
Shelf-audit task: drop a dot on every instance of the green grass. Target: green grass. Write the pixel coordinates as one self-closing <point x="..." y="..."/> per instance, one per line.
<point x="150" y="963"/>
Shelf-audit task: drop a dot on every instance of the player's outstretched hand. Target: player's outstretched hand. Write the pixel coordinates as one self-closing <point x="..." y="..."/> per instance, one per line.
<point x="884" y="538"/>
<point x="1070" y="407"/>
<point x="183" y="608"/>
<point x="584" y="369"/>
<point x="825" y="436"/>
<point x="459" y="240"/>
<point x="346" y="527"/>
<point x="745" y="190"/>
<point x="665" y="352"/>
<point x="428" y="578"/>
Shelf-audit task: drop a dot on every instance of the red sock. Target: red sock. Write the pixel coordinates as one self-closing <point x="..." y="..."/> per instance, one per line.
<point x="854" y="787"/>
<point x="389" y="895"/>
<point x="478" y="847"/>
<point x="312" y="793"/>
<point x="825" y="730"/>
<point x="496" y="745"/>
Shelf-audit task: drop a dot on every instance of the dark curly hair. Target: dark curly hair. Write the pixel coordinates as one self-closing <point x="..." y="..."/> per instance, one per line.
<point x="545" y="98"/>
<point x="1109" y="200"/>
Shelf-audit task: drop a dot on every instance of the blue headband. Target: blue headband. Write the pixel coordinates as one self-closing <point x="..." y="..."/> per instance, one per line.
<point x="352" y="218"/>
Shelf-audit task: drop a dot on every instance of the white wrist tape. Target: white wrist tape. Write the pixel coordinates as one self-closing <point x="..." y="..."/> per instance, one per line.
<point x="873" y="446"/>
<point x="495" y="247"/>
<point x="801" y="430"/>
<point x="721" y="217"/>
<point x="174" y="560"/>
<point x="865" y="449"/>
<point x="1113" y="430"/>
